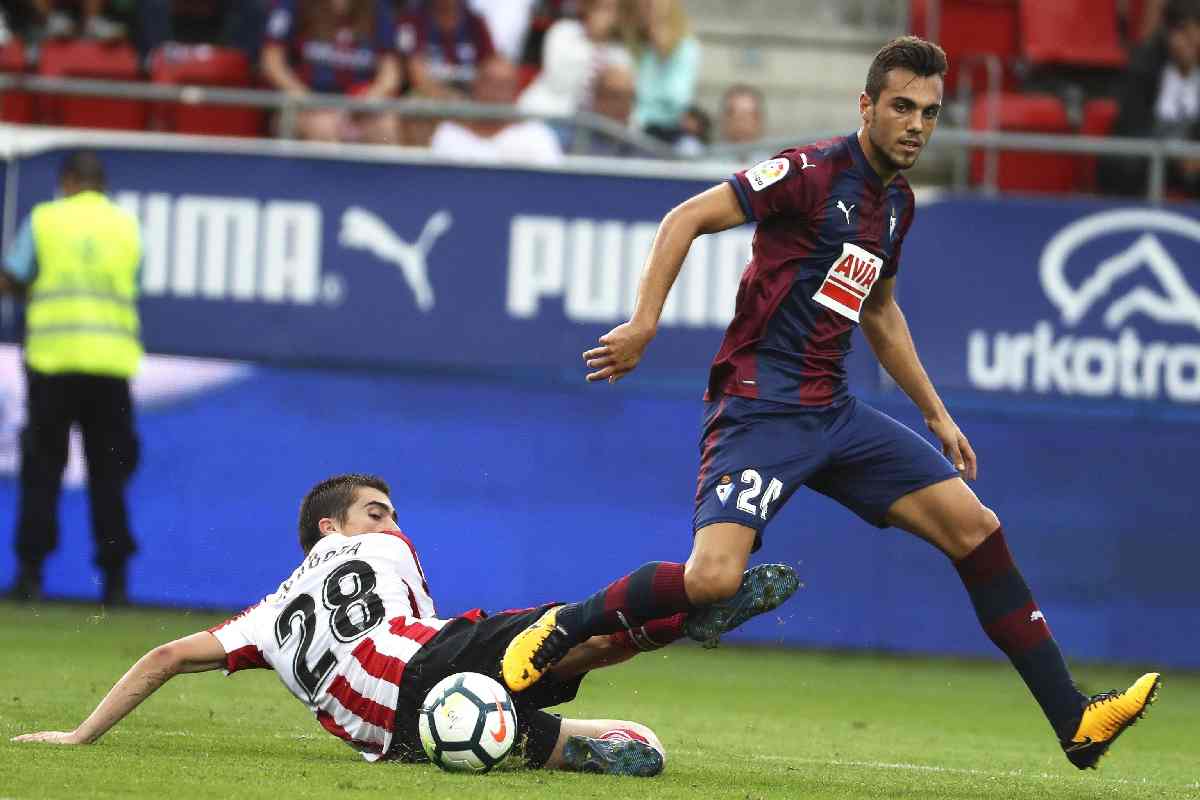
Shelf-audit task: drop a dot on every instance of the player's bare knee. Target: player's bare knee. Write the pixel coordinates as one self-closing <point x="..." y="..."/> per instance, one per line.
<point x="971" y="532"/>
<point x="711" y="580"/>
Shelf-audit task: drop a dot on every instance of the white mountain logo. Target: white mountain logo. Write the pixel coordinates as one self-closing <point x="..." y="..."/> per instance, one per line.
<point x="1119" y="363"/>
<point x="1177" y="303"/>
<point x="363" y="230"/>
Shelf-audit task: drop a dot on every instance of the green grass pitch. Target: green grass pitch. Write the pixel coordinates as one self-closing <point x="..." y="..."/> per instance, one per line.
<point x="737" y="722"/>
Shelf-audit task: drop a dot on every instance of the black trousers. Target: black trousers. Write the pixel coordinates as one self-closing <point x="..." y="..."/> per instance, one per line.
<point x="103" y="409"/>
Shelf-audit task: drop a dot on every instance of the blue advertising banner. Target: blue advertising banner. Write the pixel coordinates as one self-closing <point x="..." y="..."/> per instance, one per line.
<point x="1075" y="299"/>
<point x="519" y="492"/>
<point x="1064" y="332"/>
<point x="417" y="265"/>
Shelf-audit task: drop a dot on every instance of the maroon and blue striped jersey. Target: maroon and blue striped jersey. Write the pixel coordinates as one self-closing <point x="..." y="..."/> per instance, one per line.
<point x="828" y="230"/>
<point x="345" y="65"/>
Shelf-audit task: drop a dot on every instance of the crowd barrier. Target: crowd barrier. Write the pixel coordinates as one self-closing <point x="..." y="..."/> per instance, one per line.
<point x="327" y="309"/>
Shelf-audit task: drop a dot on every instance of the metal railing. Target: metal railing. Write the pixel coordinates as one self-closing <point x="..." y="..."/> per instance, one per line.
<point x="961" y="141"/>
<point x="588" y="123"/>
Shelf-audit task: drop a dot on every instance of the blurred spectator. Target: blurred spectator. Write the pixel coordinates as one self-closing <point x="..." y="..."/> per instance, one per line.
<point x="496" y="141"/>
<point x="575" y="52"/>
<point x="335" y="46"/>
<point x="612" y="98"/>
<point x="743" y="115"/>
<point x="87" y="18"/>
<point x="508" y="22"/>
<point x="1141" y="27"/>
<point x="443" y="45"/>
<point x="695" y="132"/>
<point x="5" y="31"/>
<point x="224" y="22"/>
<point x="668" y="59"/>
<point x="543" y="16"/>
<point x="1159" y="96"/>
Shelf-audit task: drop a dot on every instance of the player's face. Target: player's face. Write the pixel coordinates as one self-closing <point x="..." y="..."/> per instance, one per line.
<point x="371" y="512"/>
<point x="900" y="123"/>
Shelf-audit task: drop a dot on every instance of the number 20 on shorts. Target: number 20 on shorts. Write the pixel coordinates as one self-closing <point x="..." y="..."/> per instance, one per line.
<point x="754" y="487"/>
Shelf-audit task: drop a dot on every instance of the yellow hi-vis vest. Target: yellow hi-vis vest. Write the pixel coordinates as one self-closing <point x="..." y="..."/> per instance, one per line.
<point x="81" y="314"/>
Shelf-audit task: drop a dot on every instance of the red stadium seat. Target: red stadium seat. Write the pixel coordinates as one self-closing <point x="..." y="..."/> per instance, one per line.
<point x="1135" y="17"/>
<point x="1024" y="170"/>
<point x="206" y="65"/>
<point x="14" y="106"/>
<point x="1098" y="118"/>
<point x="968" y="30"/>
<point x="87" y="59"/>
<point x="1071" y="33"/>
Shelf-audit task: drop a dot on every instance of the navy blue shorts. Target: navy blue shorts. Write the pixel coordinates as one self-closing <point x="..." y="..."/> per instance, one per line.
<point x="754" y="454"/>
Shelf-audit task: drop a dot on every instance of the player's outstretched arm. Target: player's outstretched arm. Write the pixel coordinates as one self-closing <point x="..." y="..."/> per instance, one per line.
<point x="621" y="349"/>
<point x="196" y="653"/>
<point x="887" y="332"/>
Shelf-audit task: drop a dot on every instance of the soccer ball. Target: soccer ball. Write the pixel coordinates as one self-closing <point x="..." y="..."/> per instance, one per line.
<point x="467" y="723"/>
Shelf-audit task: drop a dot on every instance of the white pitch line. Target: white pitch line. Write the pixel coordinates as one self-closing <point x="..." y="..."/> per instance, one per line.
<point x="948" y="770"/>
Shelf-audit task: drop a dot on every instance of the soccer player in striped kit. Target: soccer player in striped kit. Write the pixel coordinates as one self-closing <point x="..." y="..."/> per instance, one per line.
<point x="831" y="221"/>
<point x="354" y="635"/>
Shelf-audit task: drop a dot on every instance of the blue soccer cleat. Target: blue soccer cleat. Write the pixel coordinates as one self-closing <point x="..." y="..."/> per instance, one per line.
<point x="764" y="588"/>
<point x="612" y="755"/>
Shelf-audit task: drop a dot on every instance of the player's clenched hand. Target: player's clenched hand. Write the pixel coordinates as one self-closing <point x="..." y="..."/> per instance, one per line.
<point x="955" y="446"/>
<point x="619" y="352"/>
<point x="51" y="737"/>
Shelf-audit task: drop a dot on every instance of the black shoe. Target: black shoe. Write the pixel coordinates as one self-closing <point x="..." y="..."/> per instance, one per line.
<point x="27" y="588"/>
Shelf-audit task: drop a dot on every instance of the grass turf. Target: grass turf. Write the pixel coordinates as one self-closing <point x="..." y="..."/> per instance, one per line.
<point x="737" y="722"/>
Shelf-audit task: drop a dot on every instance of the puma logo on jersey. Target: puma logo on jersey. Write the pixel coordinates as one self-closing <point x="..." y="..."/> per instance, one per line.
<point x="849" y="281"/>
<point x="1036" y="615"/>
<point x="842" y="207"/>
<point x="804" y="162"/>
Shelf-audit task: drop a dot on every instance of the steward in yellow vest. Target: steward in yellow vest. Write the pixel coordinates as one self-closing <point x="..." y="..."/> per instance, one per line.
<point x="76" y="260"/>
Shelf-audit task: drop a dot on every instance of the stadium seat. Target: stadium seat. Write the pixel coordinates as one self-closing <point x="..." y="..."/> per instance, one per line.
<point x="88" y="59"/>
<point x="1135" y="16"/>
<point x="14" y="106"/>
<point x="1098" y="118"/>
<point x="205" y="65"/>
<point x="969" y="30"/>
<point x="1024" y="170"/>
<point x="1071" y="33"/>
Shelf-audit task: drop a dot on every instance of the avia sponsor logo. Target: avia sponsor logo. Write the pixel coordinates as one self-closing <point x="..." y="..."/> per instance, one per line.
<point x="593" y="268"/>
<point x="849" y="281"/>
<point x="1110" y="290"/>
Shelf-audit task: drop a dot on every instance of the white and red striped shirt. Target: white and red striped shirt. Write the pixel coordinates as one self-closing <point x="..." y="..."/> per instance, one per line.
<point x="339" y="633"/>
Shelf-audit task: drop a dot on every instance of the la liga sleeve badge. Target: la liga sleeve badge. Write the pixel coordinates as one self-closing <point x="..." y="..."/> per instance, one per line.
<point x="765" y="173"/>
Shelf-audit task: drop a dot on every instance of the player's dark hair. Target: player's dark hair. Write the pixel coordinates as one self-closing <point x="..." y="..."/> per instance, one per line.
<point x="906" y="52"/>
<point x="332" y="498"/>
<point x="83" y="168"/>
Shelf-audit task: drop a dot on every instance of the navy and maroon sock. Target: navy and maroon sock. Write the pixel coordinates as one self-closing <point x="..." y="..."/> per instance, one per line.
<point x="1012" y="620"/>
<point x="652" y="591"/>
<point x="653" y="635"/>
